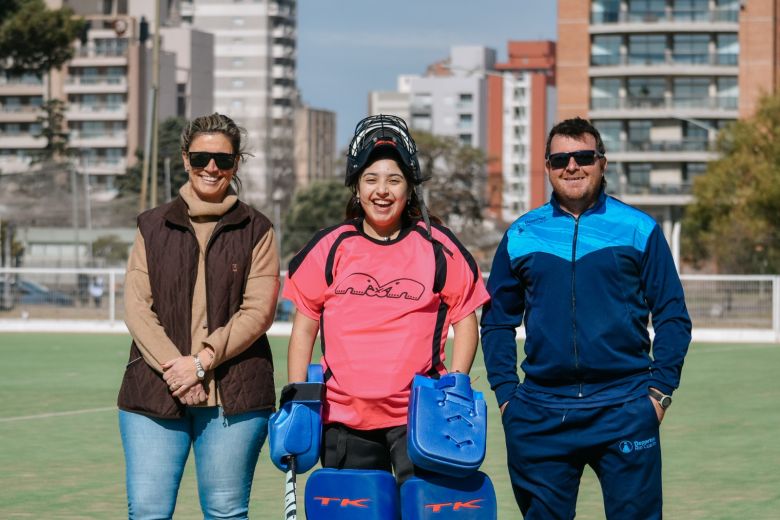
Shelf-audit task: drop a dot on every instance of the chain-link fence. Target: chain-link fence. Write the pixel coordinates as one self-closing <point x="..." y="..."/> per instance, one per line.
<point x="733" y="306"/>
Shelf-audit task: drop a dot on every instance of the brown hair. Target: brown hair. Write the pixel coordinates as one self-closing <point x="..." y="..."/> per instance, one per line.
<point x="412" y="210"/>
<point x="212" y="124"/>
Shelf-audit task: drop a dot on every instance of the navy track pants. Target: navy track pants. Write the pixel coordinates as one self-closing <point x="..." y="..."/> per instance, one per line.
<point x="548" y="449"/>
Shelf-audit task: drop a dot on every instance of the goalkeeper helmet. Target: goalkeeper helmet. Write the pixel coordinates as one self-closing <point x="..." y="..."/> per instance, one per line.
<point x="378" y="131"/>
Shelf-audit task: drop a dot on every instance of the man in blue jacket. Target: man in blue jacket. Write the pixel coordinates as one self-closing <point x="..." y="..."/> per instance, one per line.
<point x="584" y="272"/>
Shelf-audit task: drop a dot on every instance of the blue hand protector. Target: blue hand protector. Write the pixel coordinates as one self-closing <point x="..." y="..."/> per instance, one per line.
<point x="447" y="430"/>
<point x="296" y="429"/>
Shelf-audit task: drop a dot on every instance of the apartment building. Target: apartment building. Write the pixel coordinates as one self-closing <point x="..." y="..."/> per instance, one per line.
<point x="504" y="109"/>
<point x="106" y="87"/>
<point x="521" y="104"/>
<point x="659" y="78"/>
<point x="254" y="69"/>
<point x="315" y="145"/>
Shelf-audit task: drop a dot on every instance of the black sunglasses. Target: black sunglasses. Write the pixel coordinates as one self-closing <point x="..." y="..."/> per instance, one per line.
<point x="224" y="161"/>
<point x="582" y="158"/>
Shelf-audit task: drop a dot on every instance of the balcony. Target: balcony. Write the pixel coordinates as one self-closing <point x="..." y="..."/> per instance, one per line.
<point x="280" y="11"/>
<point x="21" y="86"/>
<point x="101" y="166"/>
<point x="97" y="112"/>
<point x="421" y="107"/>
<point x="662" y="151"/>
<point x="662" y="65"/>
<point x="19" y="140"/>
<point x="282" y="72"/>
<point x="671" y="20"/>
<point x="19" y="113"/>
<point x="95" y="84"/>
<point x="654" y="107"/>
<point x="98" y="139"/>
<point x="729" y="15"/>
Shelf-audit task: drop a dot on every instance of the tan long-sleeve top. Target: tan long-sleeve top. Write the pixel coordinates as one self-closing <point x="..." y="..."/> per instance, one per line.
<point x="252" y="320"/>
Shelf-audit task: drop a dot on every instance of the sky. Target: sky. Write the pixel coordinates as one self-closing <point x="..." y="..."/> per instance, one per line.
<point x="347" y="48"/>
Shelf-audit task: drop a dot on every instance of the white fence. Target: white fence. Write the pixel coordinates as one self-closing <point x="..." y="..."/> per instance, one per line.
<point x="723" y="308"/>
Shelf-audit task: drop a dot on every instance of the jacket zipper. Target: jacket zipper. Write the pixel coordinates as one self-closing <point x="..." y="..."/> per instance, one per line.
<point x="574" y="299"/>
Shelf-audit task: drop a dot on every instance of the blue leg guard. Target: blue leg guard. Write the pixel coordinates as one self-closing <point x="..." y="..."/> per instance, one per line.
<point x="296" y="429"/>
<point x="437" y="497"/>
<point x="346" y="494"/>
<point x="447" y="425"/>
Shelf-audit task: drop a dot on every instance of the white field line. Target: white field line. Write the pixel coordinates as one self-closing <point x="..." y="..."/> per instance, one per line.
<point x="56" y="414"/>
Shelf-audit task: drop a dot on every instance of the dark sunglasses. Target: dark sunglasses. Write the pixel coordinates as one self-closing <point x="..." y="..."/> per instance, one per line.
<point x="224" y="161"/>
<point x="581" y="157"/>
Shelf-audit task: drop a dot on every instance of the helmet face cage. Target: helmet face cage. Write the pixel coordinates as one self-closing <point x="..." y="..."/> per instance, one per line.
<point x="381" y="130"/>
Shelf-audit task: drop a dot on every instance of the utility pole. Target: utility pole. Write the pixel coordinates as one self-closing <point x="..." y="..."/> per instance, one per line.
<point x="150" y="150"/>
<point x="155" y="95"/>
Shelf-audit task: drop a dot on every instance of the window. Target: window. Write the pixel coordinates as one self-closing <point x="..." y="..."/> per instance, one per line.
<point x="604" y="11"/>
<point x="237" y="83"/>
<point x="727" y="49"/>
<point x="728" y="92"/>
<point x="610" y="134"/>
<point x="646" y="92"/>
<point x="638" y="177"/>
<point x="465" y="121"/>
<point x="691" y="92"/>
<point x="646" y="10"/>
<point x="690" y="48"/>
<point x="727" y="10"/>
<point x="692" y="170"/>
<point x="465" y="139"/>
<point x="646" y="49"/>
<point x="422" y="123"/>
<point x="605" y="50"/>
<point x="238" y="63"/>
<point x="639" y="134"/>
<point x="605" y="93"/>
<point x="691" y="10"/>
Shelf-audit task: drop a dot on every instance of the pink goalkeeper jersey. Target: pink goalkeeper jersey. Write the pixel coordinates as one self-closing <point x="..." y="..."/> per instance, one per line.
<point x="384" y="310"/>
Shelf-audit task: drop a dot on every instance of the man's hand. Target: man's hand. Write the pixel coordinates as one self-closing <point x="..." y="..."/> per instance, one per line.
<point x="659" y="412"/>
<point x="503" y="407"/>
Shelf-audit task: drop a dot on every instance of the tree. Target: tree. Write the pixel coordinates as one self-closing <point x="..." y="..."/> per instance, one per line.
<point x="111" y="249"/>
<point x="35" y="39"/>
<point x="320" y="204"/>
<point x="53" y="129"/>
<point x="170" y="147"/>
<point x="457" y="173"/>
<point x="11" y="252"/>
<point x="734" y="218"/>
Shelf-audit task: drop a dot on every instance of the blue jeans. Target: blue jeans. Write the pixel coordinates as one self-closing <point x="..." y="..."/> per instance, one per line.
<point x="226" y="451"/>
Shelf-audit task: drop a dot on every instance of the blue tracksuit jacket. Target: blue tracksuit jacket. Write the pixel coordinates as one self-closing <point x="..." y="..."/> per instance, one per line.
<point x="584" y="288"/>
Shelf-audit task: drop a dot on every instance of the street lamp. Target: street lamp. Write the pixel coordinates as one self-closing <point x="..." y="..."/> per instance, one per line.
<point x="277" y="197"/>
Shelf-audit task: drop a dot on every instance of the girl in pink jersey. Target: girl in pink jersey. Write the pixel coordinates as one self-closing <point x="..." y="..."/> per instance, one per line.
<point x="382" y="289"/>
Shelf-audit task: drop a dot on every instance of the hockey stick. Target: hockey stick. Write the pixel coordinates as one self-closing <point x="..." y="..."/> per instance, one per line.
<point x="290" y="499"/>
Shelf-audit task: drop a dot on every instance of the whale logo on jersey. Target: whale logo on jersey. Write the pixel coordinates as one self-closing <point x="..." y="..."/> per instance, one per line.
<point x="361" y="284"/>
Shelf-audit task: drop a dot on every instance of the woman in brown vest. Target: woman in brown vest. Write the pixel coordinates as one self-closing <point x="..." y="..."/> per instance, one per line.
<point x="200" y="293"/>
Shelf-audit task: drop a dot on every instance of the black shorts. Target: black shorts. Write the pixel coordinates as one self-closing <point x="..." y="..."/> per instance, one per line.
<point x="384" y="449"/>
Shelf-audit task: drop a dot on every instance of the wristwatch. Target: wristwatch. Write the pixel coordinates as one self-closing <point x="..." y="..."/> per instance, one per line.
<point x="199" y="372"/>
<point x="664" y="400"/>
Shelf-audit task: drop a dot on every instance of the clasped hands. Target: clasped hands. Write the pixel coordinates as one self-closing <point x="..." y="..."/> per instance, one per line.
<point x="179" y="375"/>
